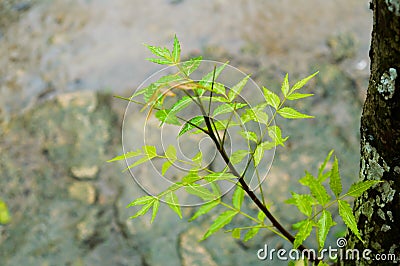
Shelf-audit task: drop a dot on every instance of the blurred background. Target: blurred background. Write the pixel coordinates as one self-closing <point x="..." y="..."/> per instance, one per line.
<point x="62" y="60"/>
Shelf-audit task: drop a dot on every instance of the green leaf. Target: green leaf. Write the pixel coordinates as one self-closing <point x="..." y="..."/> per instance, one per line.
<point x="197" y="120"/>
<point x="285" y="85"/>
<point x="238" y="156"/>
<point x="160" y="61"/>
<point x="252" y="232"/>
<point x="346" y="213"/>
<point x="316" y="188"/>
<point x="140" y="201"/>
<point x="235" y="90"/>
<point x="176" y="51"/>
<point x="166" y="116"/>
<point x="159" y="51"/>
<point x="302" y="82"/>
<point x="172" y="200"/>
<point x="222" y="220"/>
<point x="207" y="79"/>
<point x="322" y="177"/>
<point x="303" y="233"/>
<point x="198" y="158"/>
<point x="228" y="108"/>
<point x="258" y="154"/>
<point x="156" y="204"/>
<point x="238" y="197"/>
<point x="149" y="92"/>
<point x="219" y="176"/>
<point x="181" y="104"/>
<point x="276" y="135"/>
<point x="290" y="113"/>
<point x="191" y="178"/>
<point x="199" y="191"/>
<point x="138" y="162"/>
<point x="325" y="223"/>
<point x="249" y="135"/>
<point x="236" y="233"/>
<point x="5" y="217"/>
<point x="126" y="156"/>
<point x="271" y="98"/>
<point x="259" y="114"/>
<point x="166" y="80"/>
<point x="303" y="202"/>
<point x="267" y="145"/>
<point x="166" y="165"/>
<point x="188" y="67"/>
<point x="170" y="153"/>
<point x="296" y="96"/>
<point x="143" y="210"/>
<point x="334" y="182"/>
<point x="205" y="209"/>
<point x="359" y="188"/>
<point x="150" y="151"/>
<point x="261" y="216"/>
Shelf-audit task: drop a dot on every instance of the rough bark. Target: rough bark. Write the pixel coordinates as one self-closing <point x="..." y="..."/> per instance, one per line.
<point x="378" y="210"/>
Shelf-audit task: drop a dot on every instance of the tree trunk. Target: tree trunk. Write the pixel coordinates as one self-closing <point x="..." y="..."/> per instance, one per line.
<point x="378" y="210"/>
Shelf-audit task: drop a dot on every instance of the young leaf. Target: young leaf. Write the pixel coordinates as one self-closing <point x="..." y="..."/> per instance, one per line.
<point x="290" y="113"/>
<point x="140" y="201"/>
<point x="237" y="198"/>
<point x="181" y="104"/>
<point x="199" y="191"/>
<point x="252" y="232"/>
<point x="159" y="51"/>
<point x="316" y="188"/>
<point x="235" y="90"/>
<point x="166" y="116"/>
<point x="191" y="178"/>
<point x="271" y="98"/>
<point x="249" y="135"/>
<point x="285" y="85"/>
<point x="325" y="222"/>
<point x="195" y="121"/>
<point x="304" y="232"/>
<point x="166" y="165"/>
<point x="172" y="200"/>
<point x="205" y="209"/>
<point x="170" y="153"/>
<point x="302" y="82"/>
<point x="238" y="156"/>
<point x="207" y="79"/>
<point x="321" y="177"/>
<point x="228" y="108"/>
<point x="296" y="96"/>
<point x="276" y="135"/>
<point x="303" y="202"/>
<point x="160" y="61"/>
<point x="260" y="115"/>
<point x="219" y="176"/>
<point x="156" y="204"/>
<point x="188" y="67"/>
<point x="346" y="213"/>
<point x="138" y="162"/>
<point x="258" y="154"/>
<point x="143" y="210"/>
<point x="261" y="216"/>
<point x="176" y="51"/>
<point x="126" y="156"/>
<point x="150" y="151"/>
<point x="198" y="158"/>
<point x="236" y="233"/>
<point x="222" y="220"/>
<point x="334" y="182"/>
<point x="358" y="188"/>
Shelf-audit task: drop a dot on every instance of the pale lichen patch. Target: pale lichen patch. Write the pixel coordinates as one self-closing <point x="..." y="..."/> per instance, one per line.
<point x="397" y="169"/>
<point x="385" y="228"/>
<point x="387" y="192"/>
<point x="393" y="6"/>
<point x="372" y="164"/>
<point x="390" y="215"/>
<point x="381" y="214"/>
<point x="387" y="83"/>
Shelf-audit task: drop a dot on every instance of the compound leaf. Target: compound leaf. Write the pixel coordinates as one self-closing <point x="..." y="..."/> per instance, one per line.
<point x="290" y="113"/>
<point x="204" y="209"/>
<point x="195" y="121"/>
<point x="346" y="213"/>
<point x="172" y="200"/>
<point x="238" y="197"/>
<point x="222" y="220"/>
<point x="303" y="233"/>
<point x="302" y="82"/>
<point x="252" y="232"/>
<point x="357" y="189"/>
<point x="176" y="51"/>
<point x="235" y="90"/>
<point x="271" y="98"/>
<point x="325" y="222"/>
<point x="334" y="182"/>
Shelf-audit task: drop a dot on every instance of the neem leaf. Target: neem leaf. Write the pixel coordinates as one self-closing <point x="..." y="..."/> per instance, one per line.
<point x="252" y="232"/>
<point x="285" y="85"/>
<point x="126" y="155"/>
<point x="237" y="198"/>
<point x="219" y="176"/>
<point x="325" y="222"/>
<point x="303" y="233"/>
<point x="271" y="98"/>
<point x="195" y="121"/>
<point x="346" y="213"/>
<point x="188" y="67"/>
<point x="238" y="156"/>
<point x="222" y="220"/>
<point x="172" y="200"/>
<point x="205" y="209"/>
<point x="296" y="96"/>
<point x="359" y="188"/>
<point x="322" y="177"/>
<point x="302" y="82"/>
<point x="249" y="135"/>
<point x="199" y="191"/>
<point x="235" y="90"/>
<point x="176" y="51"/>
<point x="156" y="204"/>
<point x="334" y="182"/>
<point x="290" y="113"/>
<point x="316" y="188"/>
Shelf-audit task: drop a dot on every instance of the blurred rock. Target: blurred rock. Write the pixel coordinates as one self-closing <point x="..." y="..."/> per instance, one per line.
<point x="82" y="191"/>
<point x="343" y="46"/>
